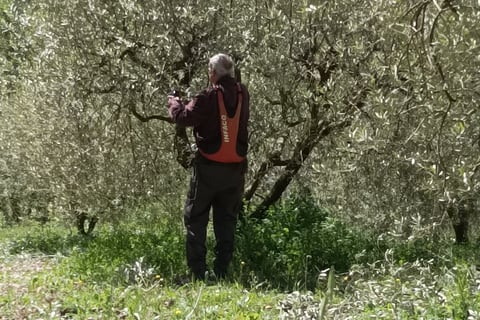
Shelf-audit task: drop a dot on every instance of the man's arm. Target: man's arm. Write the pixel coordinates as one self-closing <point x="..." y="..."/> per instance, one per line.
<point x="192" y="114"/>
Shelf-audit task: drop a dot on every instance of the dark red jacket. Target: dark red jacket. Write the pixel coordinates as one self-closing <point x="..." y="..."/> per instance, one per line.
<point x="202" y="114"/>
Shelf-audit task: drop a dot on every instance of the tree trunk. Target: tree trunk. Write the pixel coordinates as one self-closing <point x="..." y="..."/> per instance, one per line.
<point x="316" y="132"/>
<point x="183" y="150"/>
<point x="83" y="217"/>
<point x="459" y="214"/>
<point x="460" y="224"/>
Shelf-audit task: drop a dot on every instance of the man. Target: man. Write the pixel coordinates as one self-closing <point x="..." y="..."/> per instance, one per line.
<point x="219" y="116"/>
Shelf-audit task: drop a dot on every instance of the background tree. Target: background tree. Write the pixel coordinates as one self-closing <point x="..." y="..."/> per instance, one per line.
<point x="416" y="153"/>
<point x="365" y="103"/>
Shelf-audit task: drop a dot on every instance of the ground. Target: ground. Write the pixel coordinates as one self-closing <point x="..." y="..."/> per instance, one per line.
<point x="16" y="274"/>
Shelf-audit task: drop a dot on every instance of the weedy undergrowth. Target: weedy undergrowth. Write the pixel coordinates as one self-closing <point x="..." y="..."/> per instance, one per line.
<point x="128" y="270"/>
<point x="297" y="240"/>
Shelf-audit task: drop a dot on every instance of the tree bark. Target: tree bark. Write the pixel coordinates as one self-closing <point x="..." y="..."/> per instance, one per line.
<point x="459" y="214"/>
<point x="302" y="151"/>
<point x="82" y="218"/>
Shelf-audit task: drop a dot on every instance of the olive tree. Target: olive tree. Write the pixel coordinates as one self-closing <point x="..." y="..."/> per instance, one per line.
<point x="364" y="101"/>
<point x="413" y="159"/>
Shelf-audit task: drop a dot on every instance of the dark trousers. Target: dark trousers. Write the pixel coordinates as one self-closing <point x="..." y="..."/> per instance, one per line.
<point x="220" y="187"/>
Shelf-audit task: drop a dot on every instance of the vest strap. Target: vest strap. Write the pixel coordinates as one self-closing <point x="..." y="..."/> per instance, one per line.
<point x="227" y="152"/>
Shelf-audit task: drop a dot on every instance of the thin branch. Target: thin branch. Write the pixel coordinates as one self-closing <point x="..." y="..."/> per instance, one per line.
<point x="142" y="118"/>
<point x="273" y="160"/>
<point x="439" y="131"/>
<point x="446" y="6"/>
<point x="419" y="4"/>
<point x="190" y="314"/>
<point x="132" y="54"/>
<point x="273" y="102"/>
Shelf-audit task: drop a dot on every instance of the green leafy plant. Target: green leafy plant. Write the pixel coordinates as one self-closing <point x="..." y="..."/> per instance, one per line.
<point x="296" y="241"/>
<point x="131" y="254"/>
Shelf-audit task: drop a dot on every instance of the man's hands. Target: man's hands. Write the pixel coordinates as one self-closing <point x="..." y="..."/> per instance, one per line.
<point x="172" y="99"/>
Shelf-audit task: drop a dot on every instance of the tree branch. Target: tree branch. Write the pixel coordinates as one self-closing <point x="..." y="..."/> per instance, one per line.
<point x="445" y="7"/>
<point x="142" y="118"/>
<point x="273" y="160"/>
<point x="294" y="164"/>
<point x="132" y="54"/>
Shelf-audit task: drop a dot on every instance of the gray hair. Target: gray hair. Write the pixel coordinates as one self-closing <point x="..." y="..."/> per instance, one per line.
<point x="222" y="64"/>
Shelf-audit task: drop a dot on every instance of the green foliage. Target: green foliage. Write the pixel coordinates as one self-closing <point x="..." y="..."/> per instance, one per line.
<point x="409" y="251"/>
<point x="365" y="102"/>
<point x="118" y="273"/>
<point x="414" y="249"/>
<point x="297" y="240"/>
<point x="375" y="84"/>
<point x="461" y="297"/>
<point x="116" y="249"/>
<point x="126" y="250"/>
<point x="48" y="240"/>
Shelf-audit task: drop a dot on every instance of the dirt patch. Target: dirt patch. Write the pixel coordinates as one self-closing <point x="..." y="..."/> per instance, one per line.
<point x="16" y="274"/>
<point x="19" y="269"/>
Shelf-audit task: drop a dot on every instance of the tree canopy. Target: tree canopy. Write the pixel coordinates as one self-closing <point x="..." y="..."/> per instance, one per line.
<point x="372" y="106"/>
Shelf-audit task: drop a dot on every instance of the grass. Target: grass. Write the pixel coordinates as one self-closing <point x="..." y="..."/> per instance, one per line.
<point x="124" y="272"/>
<point x="128" y="271"/>
<point x="54" y="294"/>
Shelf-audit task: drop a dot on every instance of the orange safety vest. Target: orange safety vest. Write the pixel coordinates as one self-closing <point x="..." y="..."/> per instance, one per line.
<point x="228" y="132"/>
